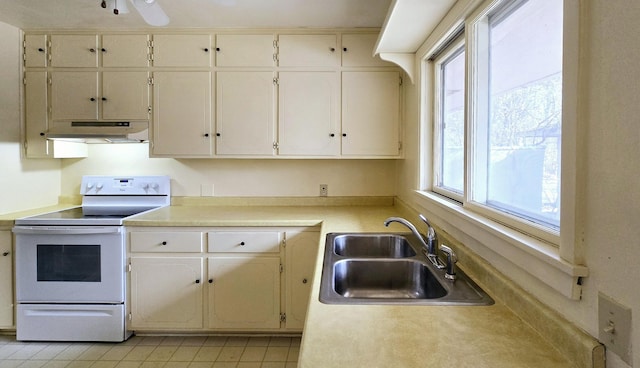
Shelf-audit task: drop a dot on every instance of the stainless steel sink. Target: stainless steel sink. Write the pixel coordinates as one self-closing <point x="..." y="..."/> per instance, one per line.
<point x="387" y="279"/>
<point x="389" y="268"/>
<point x="373" y="245"/>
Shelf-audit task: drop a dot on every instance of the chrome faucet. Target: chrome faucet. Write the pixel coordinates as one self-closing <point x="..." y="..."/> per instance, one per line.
<point x="429" y="246"/>
<point x="450" y="273"/>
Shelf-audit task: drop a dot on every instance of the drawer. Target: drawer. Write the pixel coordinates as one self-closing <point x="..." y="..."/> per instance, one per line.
<point x="169" y="241"/>
<point x="245" y="241"/>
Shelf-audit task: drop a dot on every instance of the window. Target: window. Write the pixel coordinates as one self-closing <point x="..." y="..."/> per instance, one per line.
<point x="449" y="76"/>
<point x="514" y="116"/>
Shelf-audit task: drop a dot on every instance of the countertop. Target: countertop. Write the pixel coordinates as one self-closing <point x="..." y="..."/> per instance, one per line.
<point x="388" y="335"/>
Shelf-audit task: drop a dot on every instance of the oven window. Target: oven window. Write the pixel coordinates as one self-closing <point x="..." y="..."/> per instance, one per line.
<point x="69" y="263"/>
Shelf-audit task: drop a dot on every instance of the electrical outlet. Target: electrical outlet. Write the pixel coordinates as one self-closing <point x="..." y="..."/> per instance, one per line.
<point x="324" y="190"/>
<point x="206" y="190"/>
<point x="614" y="326"/>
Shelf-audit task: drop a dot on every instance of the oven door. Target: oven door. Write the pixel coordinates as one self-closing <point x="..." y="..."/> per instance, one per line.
<point x="69" y="264"/>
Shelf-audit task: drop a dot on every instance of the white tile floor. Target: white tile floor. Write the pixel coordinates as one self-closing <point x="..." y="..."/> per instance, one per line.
<point x="154" y="352"/>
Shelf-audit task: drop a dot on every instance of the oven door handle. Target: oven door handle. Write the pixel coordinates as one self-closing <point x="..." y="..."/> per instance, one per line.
<point x="66" y="230"/>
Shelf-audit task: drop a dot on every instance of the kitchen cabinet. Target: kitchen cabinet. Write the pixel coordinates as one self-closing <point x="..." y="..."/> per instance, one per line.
<point x="109" y="95"/>
<point x="166" y="273"/>
<point x="244" y="286"/>
<point x="74" y="51"/>
<point x="119" y="51"/>
<point x="37" y="122"/>
<point x="301" y="252"/>
<point x="35" y="51"/>
<point x="245" y="113"/>
<point x="6" y="279"/>
<point x="309" y="112"/>
<point x="244" y="279"/>
<point x="182" y="114"/>
<point x="245" y="50"/>
<point x="308" y="51"/>
<point x="371" y="113"/>
<point x="182" y="50"/>
<point x="357" y="51"/>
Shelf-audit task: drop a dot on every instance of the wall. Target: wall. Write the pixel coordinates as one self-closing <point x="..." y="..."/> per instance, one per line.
<point x="236" y="178"/>
<point x="609" y="110"/>
<point x="38" y="181"/>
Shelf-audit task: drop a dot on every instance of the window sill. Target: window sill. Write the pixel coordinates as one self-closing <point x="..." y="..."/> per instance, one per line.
<point x="539" y="259"/>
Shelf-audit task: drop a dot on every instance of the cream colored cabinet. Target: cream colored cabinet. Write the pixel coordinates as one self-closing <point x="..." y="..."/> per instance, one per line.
<point x="301" y="252"/>
<point x="245" y="113"/>
<point x="166" y="280"/>
<point x="245" y="50"/>
<point x="179" y="50"/>
<point x="357" y="51"/>
<point x="244" y="279"/>
<point x="371" y="113"/>
<point x="35" y="51"/>
<point x="120" y="51"/>
<point x="308" y="50"/>
<point x="77" y="51"/>
<point x="182" y="114"/>
<point x="166" y="292"/>
<point x="6" y="279"/>
<point x="109" y="95"/>
<point x="309" y="112"/>
<point x="244" y="292"/>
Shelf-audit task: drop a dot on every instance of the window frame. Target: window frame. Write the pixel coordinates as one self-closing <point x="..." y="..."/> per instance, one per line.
<point x="556" y="263"/>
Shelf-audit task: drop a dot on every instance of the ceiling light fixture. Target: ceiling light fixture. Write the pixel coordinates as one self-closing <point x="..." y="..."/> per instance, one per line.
<point x="150" y="10"/>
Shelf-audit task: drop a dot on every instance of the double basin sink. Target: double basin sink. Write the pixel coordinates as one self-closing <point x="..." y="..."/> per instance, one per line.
<point x="389" y="268"/>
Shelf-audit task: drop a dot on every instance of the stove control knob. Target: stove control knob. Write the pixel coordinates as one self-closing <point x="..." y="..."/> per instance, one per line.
<point x="145" y="186"/>
<point x="99" y="186"/>
<point x="89" y="186"/>
<point x="155" y="186"/>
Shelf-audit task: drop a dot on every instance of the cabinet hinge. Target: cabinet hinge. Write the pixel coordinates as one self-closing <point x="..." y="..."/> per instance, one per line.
<point x="275" y="44"/>
<point x="275" y="81"/>
<point x="24" y="80"/>
<point x="284" y="243"/>
<point x="281" y="268"/>
<point x="151" y="81"/>
<point x="283" y="317"/>
<point x="129" y="267"/>
<point x="400" y="146"/>
<point x="130" y="316"/>
<point x="400" y="80"/>
<point x="276" y="145"/>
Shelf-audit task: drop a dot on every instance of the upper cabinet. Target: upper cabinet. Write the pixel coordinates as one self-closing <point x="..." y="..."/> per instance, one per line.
<point x="308" y="51"/>
<point x="121" y="51"/>
<point x="245" y="50"/>
<point x="182" y="50"/>
<point x="74" y="51"/>
<point x="357" y="50"/>
<point x="36" y="53"/>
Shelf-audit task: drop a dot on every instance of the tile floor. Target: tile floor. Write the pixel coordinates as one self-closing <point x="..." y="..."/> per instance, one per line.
<point x="154" y="352"/>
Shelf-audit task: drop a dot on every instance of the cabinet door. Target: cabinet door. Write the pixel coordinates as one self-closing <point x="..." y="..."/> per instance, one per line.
<point x="308" y="50"/>
<point x="125" y="95"/>
<point x="35" y="51"/>
<point x="125" y="50"/>
<point x="35" y="99"/>
<point x="166" y="293"/>
<point x="245" y="50"/>
<point x="301" y="254"/>
<point x="370" y="113"/>
<point x="357" y="50"/>
<point x="244" y="292"/>
<point x="308" y="113"/>
<point x="74" y="95"/>
<point x="182" y="50"/>
<point x="74" y="51"/>
<point x="182" y="114"/>
<point x="245" y="113"/>
<point x="6" y="280"/>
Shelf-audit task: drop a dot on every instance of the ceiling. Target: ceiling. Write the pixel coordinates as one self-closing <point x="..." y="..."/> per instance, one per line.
<point x="88" y="14"/>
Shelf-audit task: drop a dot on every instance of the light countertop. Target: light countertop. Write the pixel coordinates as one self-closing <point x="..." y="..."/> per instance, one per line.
<point x="391" y="335"/>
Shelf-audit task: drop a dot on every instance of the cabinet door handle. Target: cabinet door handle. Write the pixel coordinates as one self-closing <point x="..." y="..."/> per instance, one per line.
<point x="104" y="98"/>
<point x="206" y="134"/>
<point x="5" y="254"/>
<point x="242" y="244"/>
<point x="217" y="134"/>
<point x="304" y="281"/>
<point x="211" y="281"/>
<point x="206" y="49"/>
<point x="103" y="50"/>
<point x="92" y="50"/>
<point x="332" y="49"/>
<point x="40" y="49"/>
<point x="197" y="281"/>
<point x="332" y="135"/>
<point x="42" y="134"/>
<point x="92" y="99"/>
<point x="344" y="134"/>
<point x="164" y="243"/>
<point x="344" y="49"/>
<point x="218" y="49"/>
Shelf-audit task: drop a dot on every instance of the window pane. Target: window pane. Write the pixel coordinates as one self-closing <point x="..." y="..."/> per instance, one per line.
<point x="525" y="106"/>
<point x="451" y="127"/>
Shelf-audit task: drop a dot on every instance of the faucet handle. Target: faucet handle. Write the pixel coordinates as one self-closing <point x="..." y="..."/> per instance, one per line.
<point x="431" y="233"/>
<point x="451" y="262"/>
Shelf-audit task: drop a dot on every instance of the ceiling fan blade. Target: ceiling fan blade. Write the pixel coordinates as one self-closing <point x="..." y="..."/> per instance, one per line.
<point x="151" y="12"/>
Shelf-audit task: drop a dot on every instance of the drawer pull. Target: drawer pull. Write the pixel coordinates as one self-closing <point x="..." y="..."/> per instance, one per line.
<point x="163" y="243"/>
<point x="197" y="281"/>
<point x="5" y="254"/>
<point x="242" y="244"/>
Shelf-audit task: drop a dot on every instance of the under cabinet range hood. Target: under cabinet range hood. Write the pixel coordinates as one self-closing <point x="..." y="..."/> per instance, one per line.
<point x="99" y="131"/>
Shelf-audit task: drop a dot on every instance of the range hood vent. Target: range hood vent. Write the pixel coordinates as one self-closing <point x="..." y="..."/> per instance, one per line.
<point x="100" y="131"/>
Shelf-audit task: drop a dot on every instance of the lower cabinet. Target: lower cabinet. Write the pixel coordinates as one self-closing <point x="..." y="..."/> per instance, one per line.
<point x="6" y="279"/>
<point x="220" y="279"/>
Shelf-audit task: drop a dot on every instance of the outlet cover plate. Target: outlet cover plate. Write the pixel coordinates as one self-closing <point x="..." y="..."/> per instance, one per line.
<point x="324" y="190"/>
<point x="614" y="326"/>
